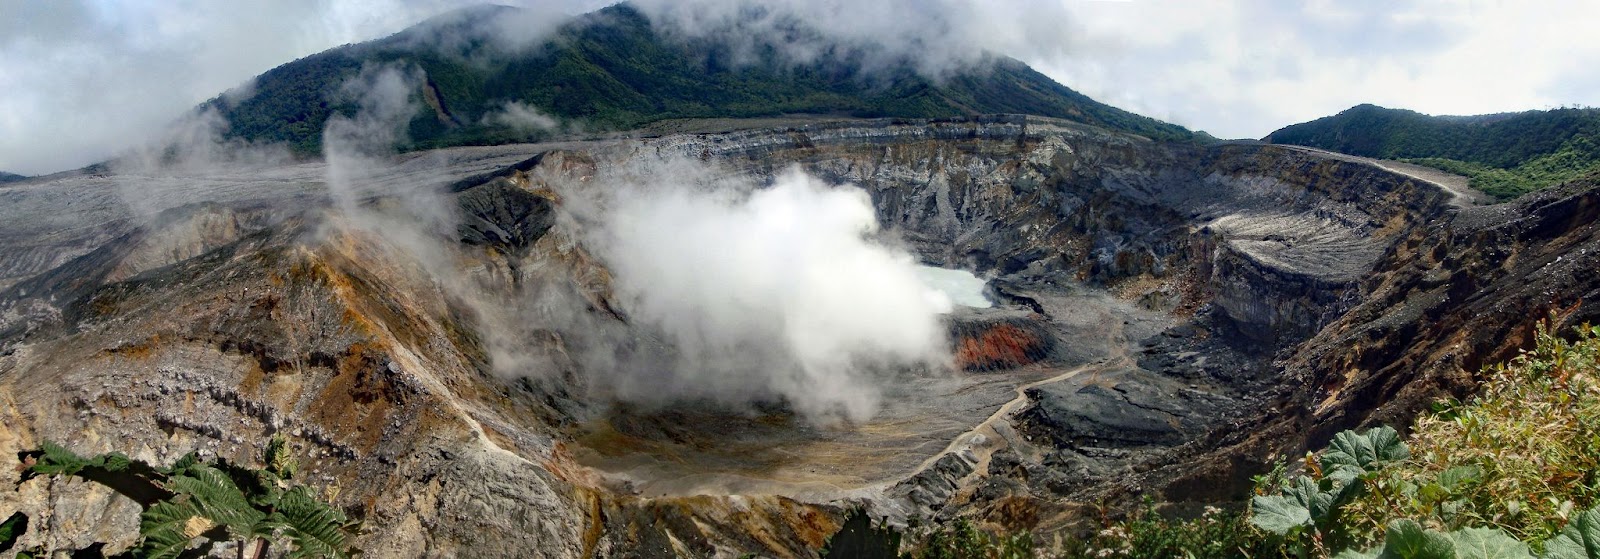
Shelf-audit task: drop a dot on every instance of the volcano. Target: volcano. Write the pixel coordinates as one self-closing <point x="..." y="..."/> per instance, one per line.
<point x="441" y="333"/>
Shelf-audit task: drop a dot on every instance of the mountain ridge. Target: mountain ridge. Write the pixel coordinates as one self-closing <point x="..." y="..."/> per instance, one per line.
<point x="1504" y="154"/>
<point x="613" y="69"/>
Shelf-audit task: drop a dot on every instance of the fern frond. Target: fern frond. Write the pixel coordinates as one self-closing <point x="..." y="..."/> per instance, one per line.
<point x="214" y="494"/>
<point x="167" y="528"/>
<point x="316" y="529"/>
<point x="182" y="465"/>
<point x="278" y="458"/>
<point x="261" y="487"/>
<point x="53" y="459"/>
<point x="132" y="478"/>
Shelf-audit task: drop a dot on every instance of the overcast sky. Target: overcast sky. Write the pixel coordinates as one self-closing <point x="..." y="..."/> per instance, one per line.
<point x="83" y="79"/>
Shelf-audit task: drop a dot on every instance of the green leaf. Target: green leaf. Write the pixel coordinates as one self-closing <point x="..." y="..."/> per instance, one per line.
<point x="1310" y="495"/>
<point x="182" y="464"/>
<point x="219" y="500"/>
<point x="1300" y="504"/>
<point x="1457" y="477"/>
<point x="280" y="461"/>
<point x="132" y="478"/>
<point x="53" y="459"/>
<point x="1487" y="543"/>
<point x="1406" y="539"/>
<point x="1279" y="514"/>
<point x="1432" y="493"/>
<point x="168" y="527"/>
<point x="1580" y="539"/>
<point x="1361" y="452"/>
<point x="12" y="529"/>
<point x="315" y="528"/>
<point x="1353" y="554"/>
<point x="115" y="462"/>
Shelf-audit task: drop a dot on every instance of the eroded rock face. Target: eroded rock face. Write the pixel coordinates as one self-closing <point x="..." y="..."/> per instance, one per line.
<point x="1122" y="409"/>
<point x="1144" y="291"/>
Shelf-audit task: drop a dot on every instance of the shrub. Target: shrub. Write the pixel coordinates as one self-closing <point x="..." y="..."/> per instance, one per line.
<point x="1521" y="456"/>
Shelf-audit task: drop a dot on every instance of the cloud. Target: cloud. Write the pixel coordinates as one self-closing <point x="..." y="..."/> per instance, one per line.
<point x="732" y="291"/>
<point x="194" y="145"/>
<point x="1246" y="67"/>
<point x="356" y="146"/>
<point x="86" y="79"/>
<point x="936" y="36"/>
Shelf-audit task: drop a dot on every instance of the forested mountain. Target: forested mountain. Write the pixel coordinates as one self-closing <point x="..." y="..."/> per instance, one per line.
<point x="1505" y="154"/>
<point x="615" y="70"/>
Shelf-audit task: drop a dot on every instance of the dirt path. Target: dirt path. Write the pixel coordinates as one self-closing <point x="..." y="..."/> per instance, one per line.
<point x="1462" y="195"/>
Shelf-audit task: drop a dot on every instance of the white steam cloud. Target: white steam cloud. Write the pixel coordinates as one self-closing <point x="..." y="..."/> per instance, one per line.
<point x="356" y="146"/>
<point x="780" y="293"/>
<point x="522" y="118"/>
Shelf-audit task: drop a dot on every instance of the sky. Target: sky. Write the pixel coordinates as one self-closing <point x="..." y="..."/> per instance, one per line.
<point x="86" y="79"/>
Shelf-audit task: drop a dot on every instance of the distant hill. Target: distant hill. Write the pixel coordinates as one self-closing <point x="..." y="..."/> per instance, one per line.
<point x="1505" y="154"/>
<point x="612" y="69"/>
<point x="11" y="177"/>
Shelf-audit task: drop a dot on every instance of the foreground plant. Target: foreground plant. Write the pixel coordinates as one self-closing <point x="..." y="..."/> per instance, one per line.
<point x="1501" y="476"/>
<point x="193" y="504"/>
<point x="1522" y="456"/>
<point x="1306" y="509"/>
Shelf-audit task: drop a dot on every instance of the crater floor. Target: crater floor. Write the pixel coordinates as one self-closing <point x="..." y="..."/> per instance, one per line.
<point x="922" y="416"/>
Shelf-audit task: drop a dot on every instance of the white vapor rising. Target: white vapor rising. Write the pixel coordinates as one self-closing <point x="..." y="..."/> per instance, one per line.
<point x="774" y="293"/>
<point x="354" y="146"/>
<point x="521" y="118"/>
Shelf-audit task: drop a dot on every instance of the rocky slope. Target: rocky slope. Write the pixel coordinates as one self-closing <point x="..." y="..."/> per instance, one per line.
<point x="1170" y="314"/>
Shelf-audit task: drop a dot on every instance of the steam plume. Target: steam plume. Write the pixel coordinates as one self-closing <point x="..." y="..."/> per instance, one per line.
<point x="785" y="292"/>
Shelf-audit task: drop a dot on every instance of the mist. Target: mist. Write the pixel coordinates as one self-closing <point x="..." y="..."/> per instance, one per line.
<point x="785" y="293"/>
<point x="522" y="119"/>
<point x="936" y="38"/>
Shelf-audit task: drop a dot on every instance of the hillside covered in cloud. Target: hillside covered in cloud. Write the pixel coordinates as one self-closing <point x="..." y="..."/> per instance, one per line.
<point x="618" y="69"/>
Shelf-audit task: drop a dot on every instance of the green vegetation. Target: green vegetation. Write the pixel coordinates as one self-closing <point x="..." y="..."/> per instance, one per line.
<point x="1307" y="511"/>
<point x="13" y="528"/>
<point x="611" y="69"/>
<point x="1505" y="155"/>
<point x="10" y="177"/>
<point x="193" y="504"/>
<point x="1511" y="473"/>
<point x="1520" y="457"/>
<point x="1216" y="534"/>
<point x="1502" y="475"/>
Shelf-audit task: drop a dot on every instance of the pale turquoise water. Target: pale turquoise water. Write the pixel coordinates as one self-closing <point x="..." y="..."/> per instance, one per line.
<point x="961" y="286"/>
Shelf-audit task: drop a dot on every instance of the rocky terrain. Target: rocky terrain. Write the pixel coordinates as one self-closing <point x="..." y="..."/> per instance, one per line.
<point x="1169" y="314"/>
